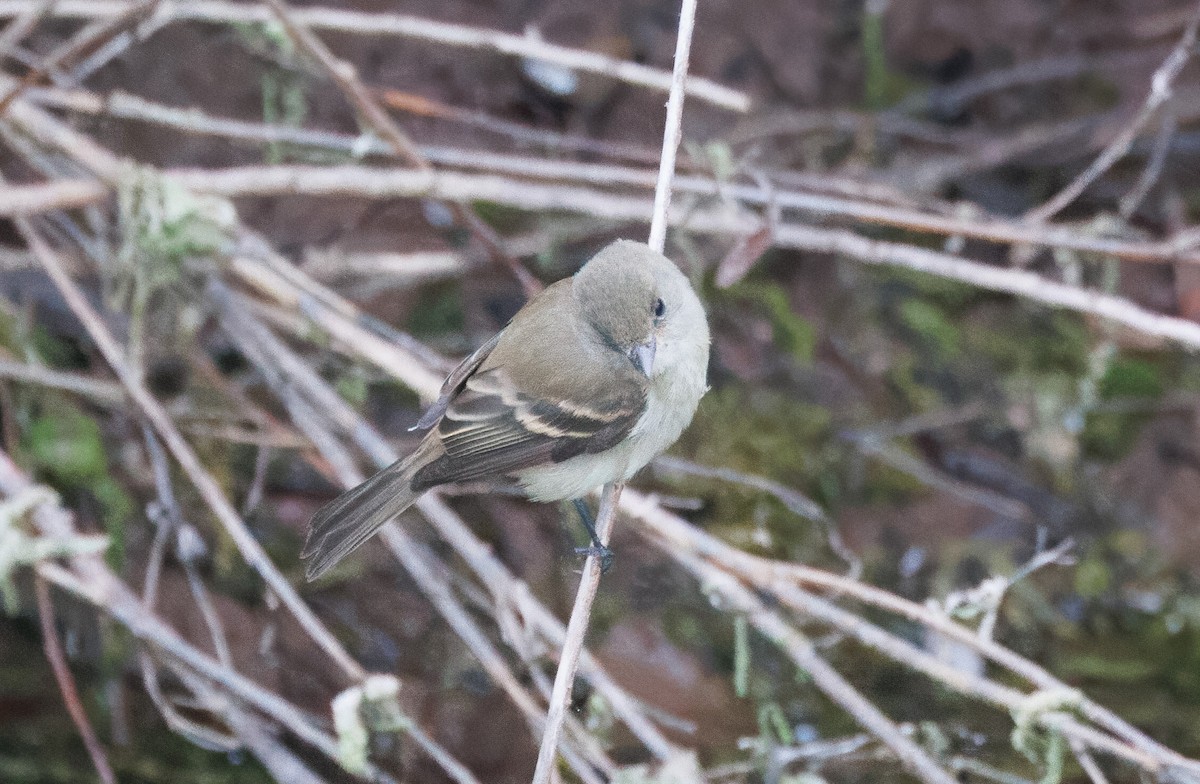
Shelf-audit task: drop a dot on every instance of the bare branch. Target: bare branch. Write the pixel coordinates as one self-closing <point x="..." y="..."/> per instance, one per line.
<point x="204" y="482"/>
<point x="25" y="200"/>
<point x="346" y="78"/>
<point x="568" y="661"/>
<point x="1160" y="92"/>
<point x="66" y="683"/>
<point x="216" y="11"/>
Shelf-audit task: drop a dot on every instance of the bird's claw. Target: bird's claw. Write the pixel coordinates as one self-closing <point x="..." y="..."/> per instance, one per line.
<point x="604" y="554"/>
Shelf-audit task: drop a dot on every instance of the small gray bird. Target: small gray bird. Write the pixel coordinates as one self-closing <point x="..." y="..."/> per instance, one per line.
<point x="593" y="378"/>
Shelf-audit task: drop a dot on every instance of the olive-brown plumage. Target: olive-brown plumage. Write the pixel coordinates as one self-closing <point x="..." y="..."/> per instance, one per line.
<point x="596" y="375"/>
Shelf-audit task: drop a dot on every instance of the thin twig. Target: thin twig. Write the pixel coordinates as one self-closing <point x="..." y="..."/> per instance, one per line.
<point x="1154" y="167"/>
<point x="589" y="582"/>
<point x="953" y="97"/>
<point x="334" y="19"/>
<point x="1087" y="762"/>
<point x="113" y="48"/>
<point x="23" y="25"/>
<point x="346" y="78"/>
<point x="896" y="457"/>
<point x="1021" y="283"/>
<point x="105" y="392"/>
<point x="66" y="683"/>
<point x="932" y="174"/>
<point x="277" y="758"/>
<point x="25" y="200"/>
<point x="89" y="579"/>
<point x="520" y="132"/>
<point x="204" y="482"/>
<point x="89" y="39"/>
<point x="673" y="128"/>
<point x="568" y="660"/>
<point x="189" y="547"/>
<point x="796" y="502"/>
<point x="1161" y="91"/>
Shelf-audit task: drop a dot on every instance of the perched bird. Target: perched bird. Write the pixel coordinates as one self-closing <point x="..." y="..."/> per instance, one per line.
<point x="593" y="378"/>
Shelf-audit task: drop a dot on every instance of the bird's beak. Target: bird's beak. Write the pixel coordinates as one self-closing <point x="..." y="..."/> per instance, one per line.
<point x="643" y="357"/>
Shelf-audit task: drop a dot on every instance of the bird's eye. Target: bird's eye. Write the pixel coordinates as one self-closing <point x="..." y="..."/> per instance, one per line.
<point x="660" y="308"/>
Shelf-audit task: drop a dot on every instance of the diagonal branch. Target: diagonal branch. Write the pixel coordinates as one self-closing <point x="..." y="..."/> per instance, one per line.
<point x="360" y="23"/>
<point x="204" y="482"/>
<point x="66" y="683"/>
<point x="346" y="78"/>
<point x="589" y="583"/>
<point x="1160" y="92"/>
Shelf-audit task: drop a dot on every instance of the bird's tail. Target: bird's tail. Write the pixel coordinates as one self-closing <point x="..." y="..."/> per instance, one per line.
<point x="347" y="521"/>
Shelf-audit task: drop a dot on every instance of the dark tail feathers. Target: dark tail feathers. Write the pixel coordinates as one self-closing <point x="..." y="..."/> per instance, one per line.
<point x="347" y="521"/>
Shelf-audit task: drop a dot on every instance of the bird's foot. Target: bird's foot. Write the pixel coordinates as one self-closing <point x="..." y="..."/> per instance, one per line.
<point x="597" y="548"/>
<point x="599" y="551"/>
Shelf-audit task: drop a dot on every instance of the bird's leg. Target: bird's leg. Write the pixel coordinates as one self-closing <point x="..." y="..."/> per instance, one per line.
<point x="597" y="547"/>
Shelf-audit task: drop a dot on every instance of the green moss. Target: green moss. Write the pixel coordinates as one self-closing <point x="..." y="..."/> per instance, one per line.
<point x="1039" y="341"/>
<point x="911" y="383"/>
<point x="1093" y="577"/>
<point x="1131" y="377"/>
<point x="282" y="79"/>
<point x="881" y="86"/>
<point x="502" y="217"/>
<point x="66" y="444"/>
<point x="946" y="292"/>
<point x="791" y="332"/>
<point x="1110" y="435"/>
<point x="1099" y="92"/>
<point x="389" y="395"/>
<point x="932" y="325"/>
<point x="55" y="352"/>
<point x="1104" y="666"/>
<point x="352" y="386"/>
<point x="769" y="434"/>
<point x="439" y="313"/>
<point x="759" y="431"/>
<point x="957" y="322"/>
<point x="683" y="628"/>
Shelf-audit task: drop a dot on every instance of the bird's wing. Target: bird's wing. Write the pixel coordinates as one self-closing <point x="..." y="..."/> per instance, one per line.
<point x="454" y="383"/>
<point x="492" y="428"/>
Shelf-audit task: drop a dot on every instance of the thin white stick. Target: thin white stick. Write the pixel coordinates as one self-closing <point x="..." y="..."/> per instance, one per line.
<point x="674" y="127"/>
<point x="602" y="204"/>
<point x="189" y="461"/>
<point x="568" y="661"/>
<point x="354" y="22"/>
<point x="1160" y="92"/>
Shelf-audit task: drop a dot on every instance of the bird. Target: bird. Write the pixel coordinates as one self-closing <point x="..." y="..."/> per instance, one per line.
<point x="594" y="377"/>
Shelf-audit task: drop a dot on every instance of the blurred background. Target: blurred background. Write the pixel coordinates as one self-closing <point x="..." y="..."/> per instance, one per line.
<point x="917" y="425"/>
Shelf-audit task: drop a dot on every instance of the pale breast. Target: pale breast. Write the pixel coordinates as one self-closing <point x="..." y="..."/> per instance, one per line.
<point x="670" y="406"/>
